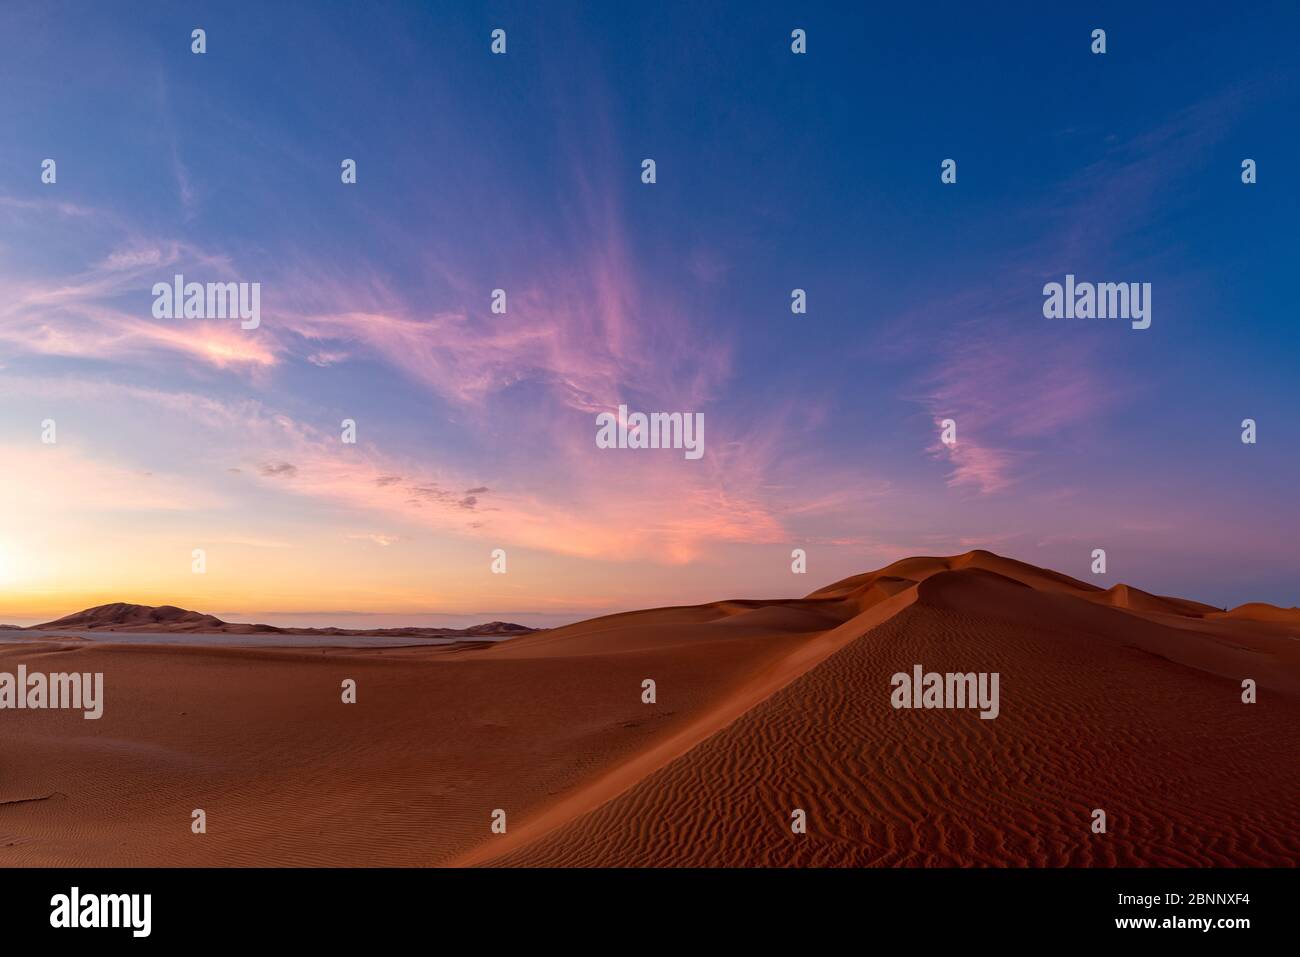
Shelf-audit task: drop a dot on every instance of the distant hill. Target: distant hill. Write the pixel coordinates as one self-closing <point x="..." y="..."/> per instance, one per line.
<point x="120" y="616"/>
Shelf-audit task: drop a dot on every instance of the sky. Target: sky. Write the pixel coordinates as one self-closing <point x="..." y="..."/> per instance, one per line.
<point x="774" y="171"/>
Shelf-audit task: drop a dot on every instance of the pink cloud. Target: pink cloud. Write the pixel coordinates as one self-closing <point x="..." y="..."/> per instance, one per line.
<point x="984" y="469"/>
<point x="1009" y="393"/>
<point x="81" y="315"/>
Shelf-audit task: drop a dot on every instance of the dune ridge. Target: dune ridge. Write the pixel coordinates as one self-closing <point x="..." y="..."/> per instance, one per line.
<point x="704" y="808"/>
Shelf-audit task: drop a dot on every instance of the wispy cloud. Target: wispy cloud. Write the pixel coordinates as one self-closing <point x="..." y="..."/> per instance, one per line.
<point x="1010" y="394"/>
<point x="105" y="312"/>
<point x="376" y="538"/>
<point x="1010" y="383"/>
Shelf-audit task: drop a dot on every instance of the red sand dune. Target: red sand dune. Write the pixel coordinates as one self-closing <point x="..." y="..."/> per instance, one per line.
<point x="1111" y="699"/>
<point x="1259" y="611"/>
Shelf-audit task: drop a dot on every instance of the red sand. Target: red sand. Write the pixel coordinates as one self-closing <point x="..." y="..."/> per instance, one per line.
<point x="1114" y="699"/>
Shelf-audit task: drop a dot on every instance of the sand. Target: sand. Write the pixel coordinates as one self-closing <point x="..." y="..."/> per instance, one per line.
<point x="1112" y="699"/>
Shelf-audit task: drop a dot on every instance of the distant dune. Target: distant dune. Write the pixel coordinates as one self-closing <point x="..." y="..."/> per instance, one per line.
<point x="120" y="616"/>
<point x="1110" y="699"/>
<point x="1260" y="611"/>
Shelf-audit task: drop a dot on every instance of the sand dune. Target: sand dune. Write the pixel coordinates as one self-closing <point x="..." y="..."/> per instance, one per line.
<point x="168" y="619"/>
<point x="1096" y="719"/>
<point x="124" y="616"/>
<point x="1259" y="611"/>
<point x="1112" y="699"/>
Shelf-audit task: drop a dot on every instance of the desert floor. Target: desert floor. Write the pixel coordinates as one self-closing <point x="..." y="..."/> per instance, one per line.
<point x="1114" y="700"/>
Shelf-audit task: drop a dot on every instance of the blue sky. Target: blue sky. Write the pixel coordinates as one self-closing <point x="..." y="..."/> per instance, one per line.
<point x="522" y="171"/>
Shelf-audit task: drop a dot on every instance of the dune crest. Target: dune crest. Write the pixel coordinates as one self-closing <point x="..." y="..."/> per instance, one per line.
<point x="1261" y="611"/>
<point x="929" y="600"/>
